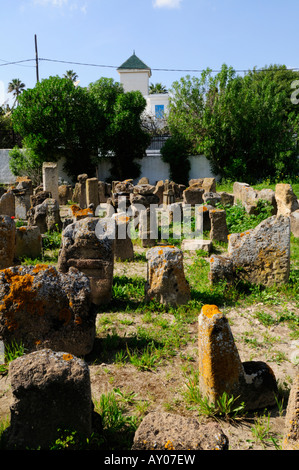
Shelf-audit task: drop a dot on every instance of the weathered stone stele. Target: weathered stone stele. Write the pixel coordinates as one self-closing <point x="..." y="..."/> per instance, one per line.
<point x="123" y="247"/>
<point x="51" y="391"/>
<point x="42" y="308"/>
<point x="291" y="431"/>
<point x="28" y="242"/>
<point x="88" y="246"/>
<point x="170" y="432"/>
<point x="7" y="241"/>
<point x="294" y="219"/>
<point x="50" y="179"/>
<point x="45" y="216"/>
<point x="258" y="256"/>
<point x="286" y="199"/>
<point x="166" y="281"/>
<point x="219" y="230"/>
<point x="221" y="370"/>
<point x="7" y="204"/>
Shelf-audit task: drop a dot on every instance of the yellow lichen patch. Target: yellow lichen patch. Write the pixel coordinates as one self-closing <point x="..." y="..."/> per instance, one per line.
<point x="40" y="267"/>
<point x="21" y="297"/>
<point x="210" y="310"/>
<point x="169" y="445"/>
<point x="67" y="357"/>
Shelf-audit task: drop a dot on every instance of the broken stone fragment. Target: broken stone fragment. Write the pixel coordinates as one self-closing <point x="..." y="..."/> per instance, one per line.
<point x="258" y="256"/>
<point x="170" y="432"/>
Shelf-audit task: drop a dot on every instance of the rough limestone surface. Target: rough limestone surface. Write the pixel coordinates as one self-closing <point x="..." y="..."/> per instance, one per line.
<point x="220" y="369"/>
<point x="167" y="432"/>
<point x="291" y="431"/>
<point x="123" y="247"/>
<point x="7" y="204"/>
<point x="88" y="246"/>
<point x="208" y="184"/>
<point x="28" y="242"/>
<point x="286" y="199"/>
<point x="46" y="216"/>
<point x="166" y="281"/>
<point x="259" y="256"/>
<point x="219" y="230"/>
<point x="294" y="219"/>
<point x="43" y="308"/>
<point x="193" y="195"/>
<point x="7" y="241"/>
<point x="51" y="391"/>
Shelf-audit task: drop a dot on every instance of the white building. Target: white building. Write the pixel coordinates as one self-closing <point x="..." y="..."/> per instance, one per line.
<point x="134" y="75"/>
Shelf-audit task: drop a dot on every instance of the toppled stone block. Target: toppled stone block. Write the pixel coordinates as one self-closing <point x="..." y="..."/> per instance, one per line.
<point x="7" y="241"/>
<point x="28" y="242"/>
<point x="193" y="195"/>
<point x="166" y="280"/>
<point x="212" y="198"/>
<point x="286" y="199"/>
<point x="208" y="184"/>
<point x="43" y="308"/>
<point x="167" y="432"/>
<point x="88" y="246"/>
<point x="258" y="256"/>
<point x="51" y="391"/>
<point x="291" y="430"/>
<point x="196" y="244"/>
<point x="221" y="370"/>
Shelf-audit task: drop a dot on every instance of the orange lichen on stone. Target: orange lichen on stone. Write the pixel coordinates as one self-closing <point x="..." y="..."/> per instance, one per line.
<point x="169" y="445"/>
<point x="211" y="260"/>
<point x="21" y="297"/>
<point x="67" y="357"/>
<point x="210" y="310"/>
<point x="22" y="229"/>
<point x="78" y="212"/>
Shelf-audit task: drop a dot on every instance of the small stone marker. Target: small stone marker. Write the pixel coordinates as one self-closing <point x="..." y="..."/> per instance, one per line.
<point x="166" y="280"/>
<point x="51" y="391"/>
<point x="50" y="179"/>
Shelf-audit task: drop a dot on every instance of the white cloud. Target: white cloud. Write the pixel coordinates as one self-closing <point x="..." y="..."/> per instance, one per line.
<point x="167" y="3"/>
<point x="71" y="4"/>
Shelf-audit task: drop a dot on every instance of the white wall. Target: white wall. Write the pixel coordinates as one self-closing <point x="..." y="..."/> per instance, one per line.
<point x="135" y="80"/>
<point x="152" y="167"/>
<point x="6" y="176"/>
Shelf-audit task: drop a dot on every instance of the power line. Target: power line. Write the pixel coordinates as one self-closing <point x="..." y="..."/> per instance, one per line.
<point x="155" y="69"/>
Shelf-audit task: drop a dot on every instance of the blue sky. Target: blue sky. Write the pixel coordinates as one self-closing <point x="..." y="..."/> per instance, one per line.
<point x="171" y="36"/>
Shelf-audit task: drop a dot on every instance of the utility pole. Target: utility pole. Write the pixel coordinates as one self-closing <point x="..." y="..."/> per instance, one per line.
<point x="36" y="58"/>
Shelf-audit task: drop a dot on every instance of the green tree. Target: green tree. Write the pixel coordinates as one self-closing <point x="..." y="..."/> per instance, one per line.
<point x="124" y="140"/>
<point x="176" y="152"/>
<point x="245" y="126"/>
<point x="16" y="87"/>
<point x="56" y="120"/>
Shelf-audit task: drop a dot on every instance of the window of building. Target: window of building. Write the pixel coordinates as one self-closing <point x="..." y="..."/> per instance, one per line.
<point x="159" y="111"/>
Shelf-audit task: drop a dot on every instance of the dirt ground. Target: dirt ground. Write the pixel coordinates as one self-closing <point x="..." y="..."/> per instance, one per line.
<point x="162" y="388"/>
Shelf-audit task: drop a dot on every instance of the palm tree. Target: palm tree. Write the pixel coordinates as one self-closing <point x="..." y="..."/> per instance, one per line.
<point x="71" y="75"/>
<point x="157" y="88"/>
<point x="16" y="87"/>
